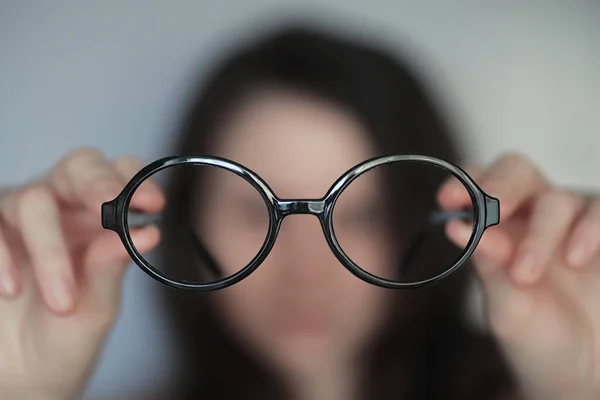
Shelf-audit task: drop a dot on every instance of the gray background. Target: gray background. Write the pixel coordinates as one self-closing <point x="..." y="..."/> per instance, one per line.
<point x="115" y="74"/>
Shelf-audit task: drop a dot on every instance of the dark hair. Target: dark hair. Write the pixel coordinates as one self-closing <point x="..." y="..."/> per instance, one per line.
<point x="428" y="350"/>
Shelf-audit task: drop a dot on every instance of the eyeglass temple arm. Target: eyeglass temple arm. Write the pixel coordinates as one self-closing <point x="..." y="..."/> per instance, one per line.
<point x="436" y="218"/>
<point x="137" y="219"/>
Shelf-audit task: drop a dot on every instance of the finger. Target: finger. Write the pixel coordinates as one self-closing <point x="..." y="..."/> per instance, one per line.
<point x="148" y="196"/>
<point x="513" y="179"/>
<point x="8" y="207"/>
<point x="550" y="222"/>
<point x="106" y="260"/>
<point x="85" y="177"/>
<point x="9" y="282"/>
<point x="584" y="242"/>
<point x="491" y="255"/>
<point x="453" y="194"/>
<point x="39" y="223"/>
<point x="493" y="250"/>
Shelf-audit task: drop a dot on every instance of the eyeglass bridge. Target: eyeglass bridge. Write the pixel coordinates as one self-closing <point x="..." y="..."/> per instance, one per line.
<point x="288" y="207"/>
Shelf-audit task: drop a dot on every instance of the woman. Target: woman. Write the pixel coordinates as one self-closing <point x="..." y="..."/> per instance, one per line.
<point x="301" y="326"/>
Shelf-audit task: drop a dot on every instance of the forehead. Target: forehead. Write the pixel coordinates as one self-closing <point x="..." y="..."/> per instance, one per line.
<point x="299" y="144"/>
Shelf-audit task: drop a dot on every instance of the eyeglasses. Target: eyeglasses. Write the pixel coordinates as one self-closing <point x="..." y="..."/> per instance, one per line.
<point x="392" y="237"/>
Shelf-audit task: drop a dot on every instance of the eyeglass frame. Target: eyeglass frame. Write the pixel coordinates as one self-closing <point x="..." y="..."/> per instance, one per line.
<point x="486" y="212"/>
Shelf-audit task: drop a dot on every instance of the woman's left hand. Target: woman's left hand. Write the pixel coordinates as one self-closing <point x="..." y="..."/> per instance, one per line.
<point x="540" y="269"/>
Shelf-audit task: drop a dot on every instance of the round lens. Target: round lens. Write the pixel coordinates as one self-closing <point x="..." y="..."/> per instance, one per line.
<point x="213" y="225"/>
<point x="389" y="223"/>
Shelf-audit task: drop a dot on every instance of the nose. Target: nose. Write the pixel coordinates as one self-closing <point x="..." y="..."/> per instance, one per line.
<point x="301" y="252"/>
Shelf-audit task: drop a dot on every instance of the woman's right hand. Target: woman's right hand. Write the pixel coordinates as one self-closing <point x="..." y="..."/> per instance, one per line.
<point x="61" y="273"/>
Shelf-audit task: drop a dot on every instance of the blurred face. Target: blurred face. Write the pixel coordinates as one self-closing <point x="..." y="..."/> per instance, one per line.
<point x="301" y="310"/>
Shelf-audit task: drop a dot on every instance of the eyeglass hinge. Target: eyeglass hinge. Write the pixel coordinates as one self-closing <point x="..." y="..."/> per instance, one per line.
<point x="109" y="215"/>
<point x="492" y="211"/>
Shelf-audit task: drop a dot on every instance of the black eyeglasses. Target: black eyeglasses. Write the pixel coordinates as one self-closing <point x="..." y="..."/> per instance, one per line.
<point x="398" y="245"/>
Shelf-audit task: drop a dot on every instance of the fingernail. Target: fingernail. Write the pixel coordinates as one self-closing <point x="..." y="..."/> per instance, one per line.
<point x="578" y="254"/>
<point x="7" y="282"/>
<point x="526" y="267"/>
<point x="62" y="294"/>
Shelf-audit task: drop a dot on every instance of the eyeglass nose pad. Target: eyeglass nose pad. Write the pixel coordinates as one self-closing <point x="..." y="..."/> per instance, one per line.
<point x="300" y="230"/>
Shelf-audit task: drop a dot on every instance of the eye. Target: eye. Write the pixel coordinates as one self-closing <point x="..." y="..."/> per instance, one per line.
<point x="363" y="217"/>
<point x="250" y="210"/>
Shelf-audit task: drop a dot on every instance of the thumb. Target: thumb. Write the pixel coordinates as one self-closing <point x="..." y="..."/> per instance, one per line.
<point x="508" y="305"/>
<point x="493" y="252"/>
<point x="491" y="258"/>
<point x="105" y="262"/>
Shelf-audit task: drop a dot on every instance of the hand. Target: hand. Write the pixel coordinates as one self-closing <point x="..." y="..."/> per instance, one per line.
<point x="540" y="269"/>
<point x="61" y="272"/>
